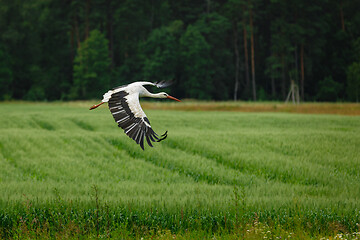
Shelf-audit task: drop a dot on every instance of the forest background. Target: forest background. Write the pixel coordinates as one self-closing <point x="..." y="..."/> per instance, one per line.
<point x="214" y="50"/>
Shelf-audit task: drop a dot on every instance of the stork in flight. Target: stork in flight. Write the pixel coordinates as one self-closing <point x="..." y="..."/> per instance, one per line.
<point x="125" y="107"/>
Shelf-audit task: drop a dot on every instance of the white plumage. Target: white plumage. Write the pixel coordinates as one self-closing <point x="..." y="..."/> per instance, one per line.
<point x="125" y="107"/>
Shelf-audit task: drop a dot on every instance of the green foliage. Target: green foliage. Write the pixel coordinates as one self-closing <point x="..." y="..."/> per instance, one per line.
<point x="329" y="89"/>
<point x="199" y="44"/>
<point x="91" y="67"/>
<point x="353" y="74"/>
<point x="162" y="52"/>
<point x="262" y="96"/>
<point x="195" y="52"/>
<point x="214" y="28"/>
<point x="353" y="81"/>
<point x="6" y="76"/>
<point x="66" y="170"/>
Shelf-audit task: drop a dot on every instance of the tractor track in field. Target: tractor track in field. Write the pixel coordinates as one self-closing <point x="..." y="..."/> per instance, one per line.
<point x="196" y="176"/>
<point x="250" y="171"/>
<point x="120" y="146"/>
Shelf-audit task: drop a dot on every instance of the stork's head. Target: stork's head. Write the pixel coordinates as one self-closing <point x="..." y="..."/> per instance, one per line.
<point x="165" y="95"/>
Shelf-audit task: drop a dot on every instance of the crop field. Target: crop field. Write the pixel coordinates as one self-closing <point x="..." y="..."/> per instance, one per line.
<point x="67" y="172"/>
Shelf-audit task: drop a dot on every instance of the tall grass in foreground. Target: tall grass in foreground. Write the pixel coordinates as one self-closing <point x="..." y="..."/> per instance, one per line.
<point x="67" y="170"/>
<point x="65" y="220"/>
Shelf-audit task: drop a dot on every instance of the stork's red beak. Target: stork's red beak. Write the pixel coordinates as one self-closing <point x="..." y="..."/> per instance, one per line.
<point x="170" y="97"/>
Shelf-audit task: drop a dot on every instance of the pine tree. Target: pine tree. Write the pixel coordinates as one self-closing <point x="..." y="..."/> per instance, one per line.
<point x="91" y="67"/>
<point x="161" y="52"/>
<point x="195" y="58"/>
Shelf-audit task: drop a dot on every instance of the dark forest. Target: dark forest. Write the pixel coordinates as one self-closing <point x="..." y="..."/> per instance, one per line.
<point x="214" y="50"/>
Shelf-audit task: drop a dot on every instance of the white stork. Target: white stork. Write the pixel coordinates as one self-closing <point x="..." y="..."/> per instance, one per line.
<point x="125" y="107"/>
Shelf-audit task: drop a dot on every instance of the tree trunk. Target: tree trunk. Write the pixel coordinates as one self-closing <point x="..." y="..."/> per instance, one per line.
<point x="76" y="29"/>
<point x="207" y="7"/>
<point x="296" y="77"/>
<point x="252" y="56"/>
<point x="72" y="44"/>
<point x="273" y="89"/>
<point x="126" y="54"/>
<point x="342" y="16"/>
<point x="110" y="31"/>
<point x="87" y="19"/>
<point x="246" y="58"/>
<point x="283" y="82"/>
<point x="302" y="71"/>
<point x="237" y="60"/>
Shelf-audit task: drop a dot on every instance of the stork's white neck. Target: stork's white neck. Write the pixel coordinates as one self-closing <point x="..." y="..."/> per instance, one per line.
<point x="154" y="95"/>
<point x="146" y="93"/>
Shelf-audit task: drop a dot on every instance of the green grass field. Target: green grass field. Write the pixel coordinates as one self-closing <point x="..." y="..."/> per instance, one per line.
<point x="222" y="173"/>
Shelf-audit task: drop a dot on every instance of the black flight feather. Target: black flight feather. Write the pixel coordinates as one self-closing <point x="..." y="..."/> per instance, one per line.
<point x="136" y="128"/>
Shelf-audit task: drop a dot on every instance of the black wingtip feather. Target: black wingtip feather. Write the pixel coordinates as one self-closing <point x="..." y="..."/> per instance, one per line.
<point x="142" y="141"/>
<point x="136" y="128"/>
<point x="153" y="138"/>
<point x="148" y="141"/>
<point x="163" y="137"/>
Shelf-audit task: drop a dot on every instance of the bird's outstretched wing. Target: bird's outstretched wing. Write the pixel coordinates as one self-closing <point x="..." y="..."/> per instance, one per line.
<point x="129" y="115"/>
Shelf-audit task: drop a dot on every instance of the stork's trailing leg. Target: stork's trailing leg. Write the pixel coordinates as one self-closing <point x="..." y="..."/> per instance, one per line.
<point x="95" y="106"/>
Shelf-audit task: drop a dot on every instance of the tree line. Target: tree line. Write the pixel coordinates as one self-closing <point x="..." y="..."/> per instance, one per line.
<point x="220" y="50"/>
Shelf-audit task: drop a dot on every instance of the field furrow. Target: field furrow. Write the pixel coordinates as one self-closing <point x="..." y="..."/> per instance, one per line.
<point x="212" y="163"/>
